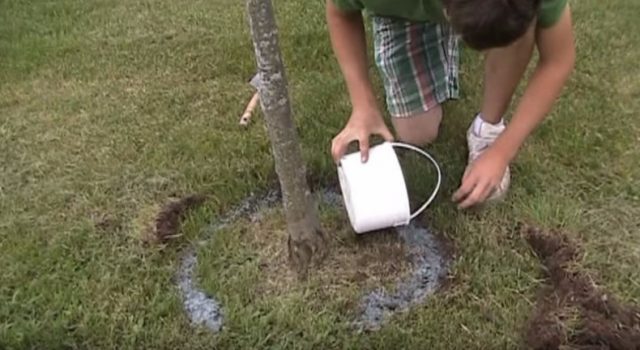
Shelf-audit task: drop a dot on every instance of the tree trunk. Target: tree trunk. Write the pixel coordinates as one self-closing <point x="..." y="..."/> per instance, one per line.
<point x="307" y="241"/>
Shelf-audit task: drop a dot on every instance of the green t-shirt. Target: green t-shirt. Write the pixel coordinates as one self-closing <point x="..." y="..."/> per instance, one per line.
<point x="431" y="10"/>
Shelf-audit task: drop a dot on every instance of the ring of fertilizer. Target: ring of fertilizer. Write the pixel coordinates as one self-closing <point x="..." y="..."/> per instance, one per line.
<point x="429" y="267"/>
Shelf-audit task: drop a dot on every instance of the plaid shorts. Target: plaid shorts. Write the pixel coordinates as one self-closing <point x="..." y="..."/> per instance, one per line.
<point x="418" y="63"/>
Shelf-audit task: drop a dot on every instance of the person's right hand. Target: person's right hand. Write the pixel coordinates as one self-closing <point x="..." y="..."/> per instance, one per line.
<point x="362" y="124"/>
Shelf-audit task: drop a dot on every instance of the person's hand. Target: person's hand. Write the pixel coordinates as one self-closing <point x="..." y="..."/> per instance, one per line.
<point x="362" y="124"/>
<point x="481" y="179"/>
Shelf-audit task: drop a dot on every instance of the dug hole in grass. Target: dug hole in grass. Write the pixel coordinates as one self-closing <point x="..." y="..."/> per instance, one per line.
<point x="362" y="282"/>
<point x="158" y="223"/>
<point x="573" y="311"/>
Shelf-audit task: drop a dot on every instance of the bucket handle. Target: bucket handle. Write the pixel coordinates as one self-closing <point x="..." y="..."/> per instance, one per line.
<point x="438" y="183"/>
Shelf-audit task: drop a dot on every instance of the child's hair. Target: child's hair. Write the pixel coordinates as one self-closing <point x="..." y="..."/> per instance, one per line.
<point x="485" y="24"/>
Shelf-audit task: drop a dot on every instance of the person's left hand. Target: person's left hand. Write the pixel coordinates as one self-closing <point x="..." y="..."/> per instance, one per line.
<point x="480" y="179"/>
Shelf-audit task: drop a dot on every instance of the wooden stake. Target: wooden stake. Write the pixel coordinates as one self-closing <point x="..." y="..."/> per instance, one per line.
<point x="246" y="116"/>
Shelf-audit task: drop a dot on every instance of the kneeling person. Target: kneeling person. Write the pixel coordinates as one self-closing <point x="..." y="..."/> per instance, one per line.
<point x="416" y="45"/>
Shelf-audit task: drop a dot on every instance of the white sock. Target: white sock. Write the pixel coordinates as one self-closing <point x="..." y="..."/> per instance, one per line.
<point x="478" y="123"/>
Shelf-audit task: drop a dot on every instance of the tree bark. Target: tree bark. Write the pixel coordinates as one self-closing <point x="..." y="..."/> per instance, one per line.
<point x="307" y="241"/>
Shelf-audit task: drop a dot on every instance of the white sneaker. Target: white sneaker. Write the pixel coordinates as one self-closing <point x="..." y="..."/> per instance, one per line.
<point x="478" y="142"/>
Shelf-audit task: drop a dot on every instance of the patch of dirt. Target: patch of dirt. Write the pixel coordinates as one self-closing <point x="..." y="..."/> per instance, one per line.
<point x="572" y="313"/>
<point x="354" y="262"/>
<point x="106" y="223"/>
<point x="158" y="224"/>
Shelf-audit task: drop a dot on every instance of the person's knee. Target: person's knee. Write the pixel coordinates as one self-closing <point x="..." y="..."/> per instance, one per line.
<point x="418" y="137"/>
<point x="420" y="129"/>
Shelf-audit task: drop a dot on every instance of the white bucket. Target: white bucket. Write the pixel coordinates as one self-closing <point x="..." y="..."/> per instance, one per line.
<point x="375" y="193"/>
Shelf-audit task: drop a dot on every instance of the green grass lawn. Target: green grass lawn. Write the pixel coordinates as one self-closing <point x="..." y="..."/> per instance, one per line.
<point x="107" y="107"/>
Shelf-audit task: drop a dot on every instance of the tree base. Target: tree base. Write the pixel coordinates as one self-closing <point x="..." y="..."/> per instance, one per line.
<point x="364" y="280"/>
<point x="307" y="251"/>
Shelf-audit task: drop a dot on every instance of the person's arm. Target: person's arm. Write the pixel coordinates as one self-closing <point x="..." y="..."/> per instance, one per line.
<point x="556" y="62"/>
<point x="346" y="30"/>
